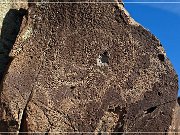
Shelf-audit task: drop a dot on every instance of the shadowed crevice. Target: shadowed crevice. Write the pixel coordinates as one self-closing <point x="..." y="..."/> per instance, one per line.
<point x="150" y="110"/>
<point x="9" y="32"/>
<point x="161" y="57"/>
<point x="121" y="112"/>
<point x="23" y="124"/>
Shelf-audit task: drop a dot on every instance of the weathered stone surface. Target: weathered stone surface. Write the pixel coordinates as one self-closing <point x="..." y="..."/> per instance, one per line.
<point x="12" y="14"/>
<point x="87" y="67"/>
<point x="175" y="126"/>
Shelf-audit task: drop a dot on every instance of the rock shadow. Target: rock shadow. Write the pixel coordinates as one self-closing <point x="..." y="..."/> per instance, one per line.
<point x="9" y="32"/>
<point x="10" y="29"/>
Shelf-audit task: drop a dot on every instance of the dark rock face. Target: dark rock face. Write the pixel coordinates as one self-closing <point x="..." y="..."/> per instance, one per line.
<point x="9" y="31"/>
<point x="88" y="67"/>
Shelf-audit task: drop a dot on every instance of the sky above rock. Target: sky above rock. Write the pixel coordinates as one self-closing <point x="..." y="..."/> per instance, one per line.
<point x="169" y="5"/>
<point x="162" y="18"/>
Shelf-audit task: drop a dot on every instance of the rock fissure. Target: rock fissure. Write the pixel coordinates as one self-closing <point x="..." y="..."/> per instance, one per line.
<point x="154" y="107"/>
<point x="119" y="15"/>
<point x="141" y="114"/>
<point x="66" y="116"/>
<point x="119" y="128"/>
<point x="71" y="124"/>
<point x="150" y="110"/>
<point x="23" y="123"/>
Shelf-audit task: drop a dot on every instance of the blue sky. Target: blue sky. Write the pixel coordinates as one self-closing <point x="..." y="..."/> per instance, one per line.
<point x="163" y="20"/>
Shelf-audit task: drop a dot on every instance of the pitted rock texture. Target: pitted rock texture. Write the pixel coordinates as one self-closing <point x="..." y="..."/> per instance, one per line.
<point x="175" y="126"/>
<point x="87" y="67"/>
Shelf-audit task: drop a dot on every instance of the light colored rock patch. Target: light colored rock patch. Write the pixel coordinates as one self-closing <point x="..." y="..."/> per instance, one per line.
<point x="108" y="121"/>
<point x="131" y="21"/>
<point x="161" y="49"/>
<point x="175" y="126"/>
<point x="34" y="114"/>
<point x="6" y="5"/>
<point x="23" y="36"/>
<point x="4" y="8"/>
<point x="100" y="63"/>
<point x="27" y="34"/>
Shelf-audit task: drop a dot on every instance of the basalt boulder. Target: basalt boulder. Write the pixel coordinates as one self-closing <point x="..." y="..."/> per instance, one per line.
<point x="86" y="67"/>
